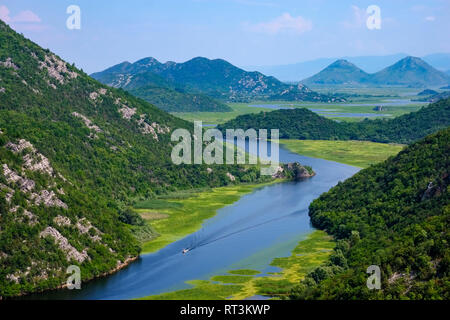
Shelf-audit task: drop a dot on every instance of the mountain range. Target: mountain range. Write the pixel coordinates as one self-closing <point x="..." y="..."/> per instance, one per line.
<point x="74" y="153"/>
<point x="216" y="78"/>
<point x="371" y="64"/>
<point x="409" y="71"/>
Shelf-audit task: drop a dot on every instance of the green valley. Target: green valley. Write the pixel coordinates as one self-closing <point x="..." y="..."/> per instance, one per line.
<point x="176" y="215"/>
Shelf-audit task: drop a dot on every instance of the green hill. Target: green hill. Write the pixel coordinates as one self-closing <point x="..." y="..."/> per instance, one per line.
<point x="298" y="123"/>
<point x="341" y="72"/>
<point x="409" y="71"/>
<point x="157" y="90"/>
<point x="73" y="155"/>
<point x="176" y="100"/>
<point x="303" y="124"/>
<point x="216" y="78"/>
<point x="394" y="215"/>
<point x="427" y="92"/>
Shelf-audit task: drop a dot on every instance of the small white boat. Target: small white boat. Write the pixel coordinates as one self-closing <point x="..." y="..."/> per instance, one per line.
<point x="185" y="251"/>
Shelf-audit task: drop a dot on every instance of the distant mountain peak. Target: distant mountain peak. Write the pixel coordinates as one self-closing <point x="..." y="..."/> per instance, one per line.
<point x="343" y="63"/>
<point x="216" y="78"/>
<point x="339" y="72"/>
<point x="412" y="61"/>
<point x="410" y="71"/>
<point x="147" y="62"/>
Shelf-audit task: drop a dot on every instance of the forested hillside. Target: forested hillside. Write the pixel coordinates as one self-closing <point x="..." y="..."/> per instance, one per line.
<point x="216" y="78"/>
<point x="298" y="123"/>
<point x="164" y="94"/>
<point x="303" y="124"/>
<point x="73" y="153"/>
<point x="394" y="215"/>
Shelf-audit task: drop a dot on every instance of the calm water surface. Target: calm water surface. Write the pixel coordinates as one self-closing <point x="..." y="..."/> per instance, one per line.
<point x="265" y="224"/>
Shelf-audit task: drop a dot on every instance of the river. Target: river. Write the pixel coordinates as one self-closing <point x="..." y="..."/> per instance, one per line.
<point x="263" y="225"/>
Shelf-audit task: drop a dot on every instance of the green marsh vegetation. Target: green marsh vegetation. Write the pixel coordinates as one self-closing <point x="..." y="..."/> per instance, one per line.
<point x="357" y="95"/>
<point x="356" y="153"/>
<point x="244" y="283"/>
<point x="176" y="215"/>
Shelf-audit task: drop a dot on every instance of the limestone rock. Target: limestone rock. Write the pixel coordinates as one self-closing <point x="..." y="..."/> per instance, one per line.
<point x="64" y="245"/>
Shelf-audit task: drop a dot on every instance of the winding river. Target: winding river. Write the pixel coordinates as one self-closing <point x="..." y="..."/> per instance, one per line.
<point x="265" y="224"/>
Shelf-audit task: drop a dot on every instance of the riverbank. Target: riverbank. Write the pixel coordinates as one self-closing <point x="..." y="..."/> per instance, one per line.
<point x="360" y="154"/>
<point x="243" y="284"/>
<point x="180" y="214"/>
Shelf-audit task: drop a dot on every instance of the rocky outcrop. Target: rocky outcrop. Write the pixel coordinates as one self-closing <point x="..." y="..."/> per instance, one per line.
<point x="32" y="219"/>
<point x="64" y="245"/>
<point x="300" y="172"/>
<point x="62" y="221"/>
<point x="231" y="177"/>
<point x="21" y="145"/>
<point x="57" y="69"/>
<point x="95" y="94"/>
<point x="37" y="162"/>
<point x="84" y="226"/>
<point x="294" y="171"/>
<point x="48" y="199"/>
<point x="33" y="160"/>
<point x="9" y="64"/>
<point x="12" y="177"/>
<point x="87" y="122"/>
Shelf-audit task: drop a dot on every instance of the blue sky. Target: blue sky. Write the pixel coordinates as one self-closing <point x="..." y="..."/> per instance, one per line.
<point x="244" y="32"/>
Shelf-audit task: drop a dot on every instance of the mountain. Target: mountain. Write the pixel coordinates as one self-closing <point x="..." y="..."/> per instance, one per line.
<point x="216" y="78"/>
<point x="393" y="215"/>
<point x="341" y="72"/>
<point x="73" y="156"/>
<point x="300" y="123"/>
<point x="299" y="71"/>
<point x="157" y="90"/>
<point x="410" y="71"/>
<point x="371" y="64"/>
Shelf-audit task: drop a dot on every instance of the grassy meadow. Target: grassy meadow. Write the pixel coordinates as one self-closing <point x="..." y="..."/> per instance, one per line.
<point x="356" y="153"/>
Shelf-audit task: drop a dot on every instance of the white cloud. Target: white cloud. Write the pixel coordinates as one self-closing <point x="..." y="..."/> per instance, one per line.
<point x="26" y="16"/>
<point x="430" y="18"/>
<point x="282" y="24"/>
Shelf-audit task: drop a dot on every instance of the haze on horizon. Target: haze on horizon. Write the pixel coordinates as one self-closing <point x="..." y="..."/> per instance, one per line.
<point x="243" y="32"/>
